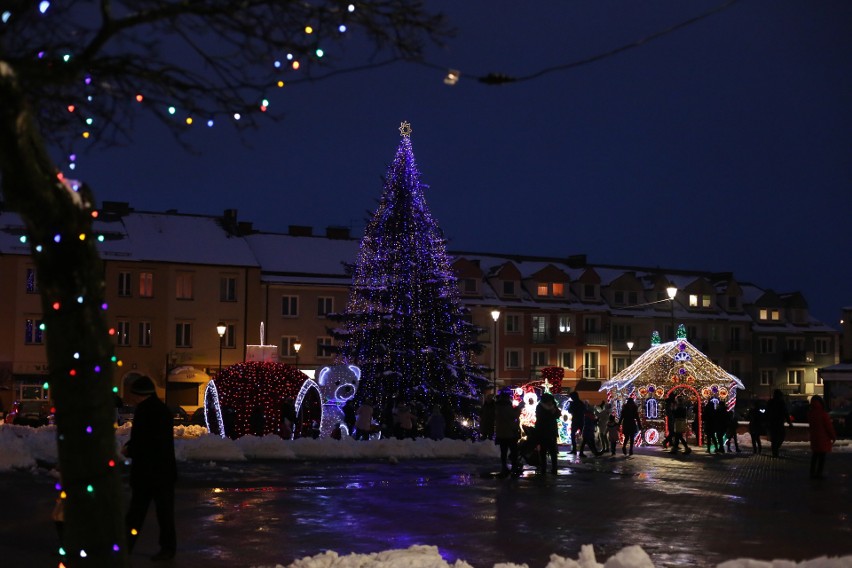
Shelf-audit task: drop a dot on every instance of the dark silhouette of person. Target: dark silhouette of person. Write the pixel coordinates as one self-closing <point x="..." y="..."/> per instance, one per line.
<point x="486" y="418"/>
<point x="709" y="419"/>
<point x="507" y="432"/>
<point x="629" y="423"/>
<point x="822" y="435"/>
<point x="671" y="403"/>
<point x="153" y="470"/>
<point x="547" y="415"/>
<point x="755" y="426"/>
<point x="576" y="409"/>
<point x="776" y="415"/>
<point x="590" y="422"/>
<point x="349" y="410"/>
<point x="679" y="424"/>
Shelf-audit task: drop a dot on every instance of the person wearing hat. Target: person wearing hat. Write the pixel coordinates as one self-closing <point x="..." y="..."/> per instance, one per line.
<point x="153" y="470"/>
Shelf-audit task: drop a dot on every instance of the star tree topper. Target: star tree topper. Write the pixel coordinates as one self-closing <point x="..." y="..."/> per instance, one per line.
<point x="405" y="129"/>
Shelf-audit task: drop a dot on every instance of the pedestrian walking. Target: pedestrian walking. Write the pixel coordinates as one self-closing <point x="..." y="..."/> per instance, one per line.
<point x="671" y="403"/>
<point x="364" y="421"/>
<point x="731" y="431"/>
<point x="708" y="419"/>
<point x="822" y="435"/>
<point x="603" y="412"/>
<point x="629" y="423"/>
<point x="777" y="415"/>
<point x="576" y="409"/>
<point x="547" y="431"/>
<point x="507" y="432"/>
<point x="612" y="433"/>
<point x="153" y="470"/>
<point x="590" y="424"/>
<point x="755" y="426"/>
<point x="680" y="418"/>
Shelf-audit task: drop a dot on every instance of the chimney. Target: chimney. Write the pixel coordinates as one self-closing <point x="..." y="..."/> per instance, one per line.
<point x="300" y="231"/>
<point x="337" y="232"/>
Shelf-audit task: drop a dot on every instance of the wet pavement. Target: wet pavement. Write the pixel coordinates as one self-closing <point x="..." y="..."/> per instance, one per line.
<point x="686" y="510"/>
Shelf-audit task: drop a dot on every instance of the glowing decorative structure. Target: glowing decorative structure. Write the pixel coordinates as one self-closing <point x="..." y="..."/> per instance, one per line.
<point x="404" y="324"/>
<point x="257" y="395"/>
<point x="676" y="366"/>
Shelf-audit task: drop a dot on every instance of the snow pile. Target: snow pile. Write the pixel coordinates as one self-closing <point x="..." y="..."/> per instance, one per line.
<point x="22" y="447"/>
<point x="420" y="556"/>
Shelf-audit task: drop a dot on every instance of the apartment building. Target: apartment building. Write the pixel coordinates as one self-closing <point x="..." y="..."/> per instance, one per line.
<point x="172" y="279"/>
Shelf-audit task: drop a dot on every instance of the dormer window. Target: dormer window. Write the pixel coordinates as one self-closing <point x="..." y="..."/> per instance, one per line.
<point x="551" y="289"/>
<point x="589" y="291"/>
<point x="766" y="314"/>
<point x="618" y="298"/>
<point x="700" y="300"/>
<point x="469" y="285"/>
<point x="509" y="288"/>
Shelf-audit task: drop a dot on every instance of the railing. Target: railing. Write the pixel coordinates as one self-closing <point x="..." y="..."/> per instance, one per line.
<point x="594" y="338"/>
<point x="542" y="337"/>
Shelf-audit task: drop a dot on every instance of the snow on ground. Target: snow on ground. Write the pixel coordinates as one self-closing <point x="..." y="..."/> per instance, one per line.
<point x="23" y="448"/>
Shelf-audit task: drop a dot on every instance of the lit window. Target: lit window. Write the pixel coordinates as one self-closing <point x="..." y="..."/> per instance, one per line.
<point x="183" y="286"/>
<point x="705" y="301"/>
<point x="543" y="290"/>
<point x="558" y="289"/>
<point x="775" y="315"/>
<point x="693" y="300"/>
<point x="763" y="314"/>
<point x="146" y="284"/>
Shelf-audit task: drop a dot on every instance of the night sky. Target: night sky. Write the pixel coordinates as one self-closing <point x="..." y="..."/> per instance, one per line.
<point x="724" y="146"/>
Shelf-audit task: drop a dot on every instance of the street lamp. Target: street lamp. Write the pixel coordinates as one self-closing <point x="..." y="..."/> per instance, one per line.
<point x="495" y="315"/>
<point x="671" y="290"/>
<point x="296" y="347"/>
<point x="221" y="328"/>
<point x="630" y="352"/>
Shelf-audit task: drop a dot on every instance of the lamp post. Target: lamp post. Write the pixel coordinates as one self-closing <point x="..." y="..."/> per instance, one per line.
<point x="495" y="315"/>
<point x="671" y="290"/>
<point x="296" y="347"/>
<point x="221" y="328"/>
<point x="630" y="352"/>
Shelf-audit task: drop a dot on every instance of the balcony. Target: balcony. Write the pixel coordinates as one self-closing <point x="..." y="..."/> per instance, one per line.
<point x="542" y="337"/>
<point x="798" y="356"/>
<point x="594" y="338"/>
<point x="594" y="373"/>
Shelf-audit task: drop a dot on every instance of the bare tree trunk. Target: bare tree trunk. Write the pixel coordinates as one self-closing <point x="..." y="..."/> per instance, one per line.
<point x="79" y="350"/>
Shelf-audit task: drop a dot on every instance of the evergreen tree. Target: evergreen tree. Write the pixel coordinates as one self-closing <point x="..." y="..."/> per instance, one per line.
<point x="404" y="325"/>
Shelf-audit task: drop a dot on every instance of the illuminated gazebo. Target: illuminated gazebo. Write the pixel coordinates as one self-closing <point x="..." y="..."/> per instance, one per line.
<point x="679" y="367"/>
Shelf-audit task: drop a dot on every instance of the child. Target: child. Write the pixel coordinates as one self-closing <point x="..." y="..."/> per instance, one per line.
<point x="612" y="433"/>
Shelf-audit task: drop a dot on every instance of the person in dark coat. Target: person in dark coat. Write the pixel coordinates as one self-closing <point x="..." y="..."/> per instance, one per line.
<point x="671" y="403"/>
<point x="776" y="415"/>
<point x="679" y="424"/>
<point x="507" y="432"/>
<point x="486" y="418"/>
<point x="153" y="470"/>
<point x="576" y="409"/>
<point x="547" y="431"/>
<point x="755" y="426"/>
<point x="708" y="418"/>
<point x="629" y="423"/>
<point x="590" y="423"/>
<point x="349" y="410"/>
<point x="822" y="435"/>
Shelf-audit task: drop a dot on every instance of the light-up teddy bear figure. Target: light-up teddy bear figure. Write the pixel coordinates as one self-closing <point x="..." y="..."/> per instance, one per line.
<point x="337" y="384"/>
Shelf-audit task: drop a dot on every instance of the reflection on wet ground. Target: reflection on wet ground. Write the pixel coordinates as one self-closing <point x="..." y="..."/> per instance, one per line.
<point x="693" y="511"/>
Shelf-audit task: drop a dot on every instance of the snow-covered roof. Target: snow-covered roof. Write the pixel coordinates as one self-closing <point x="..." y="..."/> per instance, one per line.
<point x="289" y="254"/>
<point x="660" y="362"/>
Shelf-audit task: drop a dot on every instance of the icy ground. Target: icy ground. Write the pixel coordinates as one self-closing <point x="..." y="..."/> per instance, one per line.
<point x="23" y="448"/>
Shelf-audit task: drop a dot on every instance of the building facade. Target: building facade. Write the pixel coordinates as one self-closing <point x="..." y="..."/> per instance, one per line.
<point x="172" y="278"/>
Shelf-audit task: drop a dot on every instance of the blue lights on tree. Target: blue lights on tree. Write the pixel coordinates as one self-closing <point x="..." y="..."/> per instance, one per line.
<point x="404" y="324"/>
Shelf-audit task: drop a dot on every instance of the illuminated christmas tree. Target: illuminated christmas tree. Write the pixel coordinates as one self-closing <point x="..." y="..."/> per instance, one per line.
<point x="404" y="325"/>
